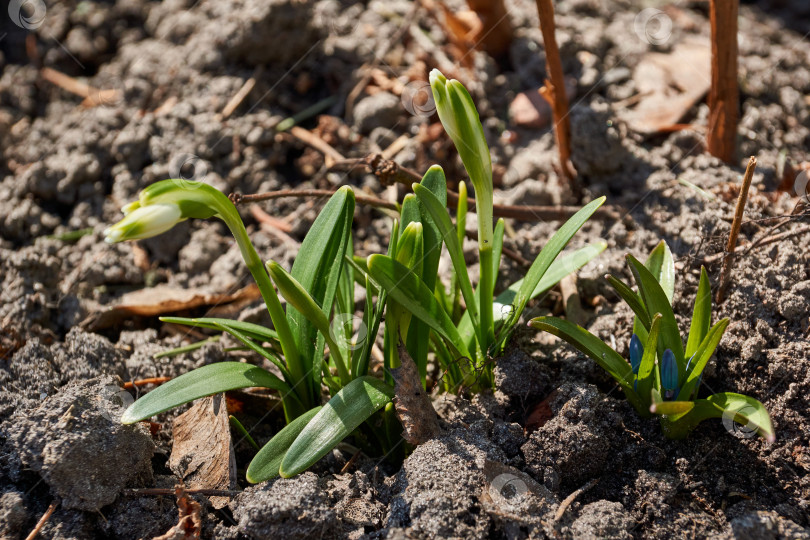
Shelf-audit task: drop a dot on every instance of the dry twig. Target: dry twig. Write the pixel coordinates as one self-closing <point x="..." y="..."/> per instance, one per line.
<point x="728" y="262"/>
<point x="42" y="521"/>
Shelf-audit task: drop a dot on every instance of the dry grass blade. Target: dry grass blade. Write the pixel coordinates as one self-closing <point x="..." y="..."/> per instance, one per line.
<point x="728" y="262"/>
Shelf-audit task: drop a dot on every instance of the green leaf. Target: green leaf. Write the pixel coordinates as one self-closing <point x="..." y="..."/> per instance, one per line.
<point x="201" y="382"/>
<point x="646" y="379"/>
<point x="258" y="349"/>
<point x="349" y="408"/>
<point x="186" y="348"/>
<point x="592" y="346"/>
<point x="701" y="358"/>
<point x="412" y="293"/>
<point x="299" y="298"/>
<point x="667" y="408"/>
<point x="633" y="300"/>
<point x="266" y="463"/>
<point x="731" y="407"/>
<point x="701" y="315"/>
<point x="315" y="269"/>
<point x="560" y="268"/>
<point x="434" y="181"/>
<point x="237" y="425"/>
<point x="656" y="301"/>
<point x="449" y="234"/>
<point x="254" y="331"/>
<point x="662" y="267"/>
<point x="547" y="255"/>
<point x="497" y="251"/>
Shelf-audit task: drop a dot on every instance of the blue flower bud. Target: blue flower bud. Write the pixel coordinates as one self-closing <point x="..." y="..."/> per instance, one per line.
<point x="669" y="375"/>
<point x="636" y="352"/>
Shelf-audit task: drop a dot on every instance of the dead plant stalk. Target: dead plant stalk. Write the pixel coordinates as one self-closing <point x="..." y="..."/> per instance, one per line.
<point x="554" y="90"/>
<point x="723" y="96"/>
<point x="728" y="262"/>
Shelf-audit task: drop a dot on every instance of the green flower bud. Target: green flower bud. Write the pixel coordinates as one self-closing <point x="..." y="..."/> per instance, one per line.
<point x="460" y="119"/>
<point x="144" y="222"/>
<point x="164" y="204"/>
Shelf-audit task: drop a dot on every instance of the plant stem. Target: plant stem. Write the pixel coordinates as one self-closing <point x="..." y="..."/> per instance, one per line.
<point x="554" y="90"/>
<point x="230" y="216"/>
<point x="485" y="285"/>
<point x="723" y="97"/>
<point x="728" y="262"/>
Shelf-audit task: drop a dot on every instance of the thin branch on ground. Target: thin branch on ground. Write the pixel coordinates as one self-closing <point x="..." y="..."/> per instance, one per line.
<point x="42" y="521"/>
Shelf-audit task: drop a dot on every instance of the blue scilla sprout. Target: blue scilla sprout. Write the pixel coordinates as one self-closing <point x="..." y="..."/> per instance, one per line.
<point x="636" y="352"/>
<point x="669" y="375"/>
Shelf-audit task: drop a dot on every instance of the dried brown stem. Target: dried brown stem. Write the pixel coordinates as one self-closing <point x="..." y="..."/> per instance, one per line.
<point x="42" y="521"/>
<point x="390" y="172"/>
<point x="728" y="262"/>
<point x="723" y="97"/>
<point x="143" y="382"/>
<point x="554" y="90"/>
<point x="243" y="92"/>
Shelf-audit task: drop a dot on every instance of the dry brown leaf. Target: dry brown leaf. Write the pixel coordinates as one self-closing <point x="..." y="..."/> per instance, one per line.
<point x="669" y="84"/>
<point x="413" y="406"/>
<point x="202" y="450"/>
<point x="163" y="299"/>
<point x="189" y="525"/>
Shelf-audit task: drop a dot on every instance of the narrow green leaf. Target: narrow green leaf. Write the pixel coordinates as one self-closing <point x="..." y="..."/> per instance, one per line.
<point x="646" y="371"/>
<point x="504" y="302"/>
<point x="412" y="293"/>
<point x="656" y="301"/>
<point x="204" y="381"/>
<point x="349" y="408"/>
<point x="547" y="255"/>
<point x="237" y="425"/>
<point x="266" y="463"/>
<point x="315" y="269"/>
<point x="633" y="300"/>
<point x="439" y="213"/>
<point x="258" y="349"/>
<point x="299" y="298"/>
<point x="504" y="305"/>
<point x="186" y="348"/>
<point x="608" y="359"/>
<point x="701" y="315"/>
<point x="662" y="267"/>
<point x="254" y="331"/>
<point x="497" y="250"/>
<point x="435" y="181"/>
<point x="701" y="358"/>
